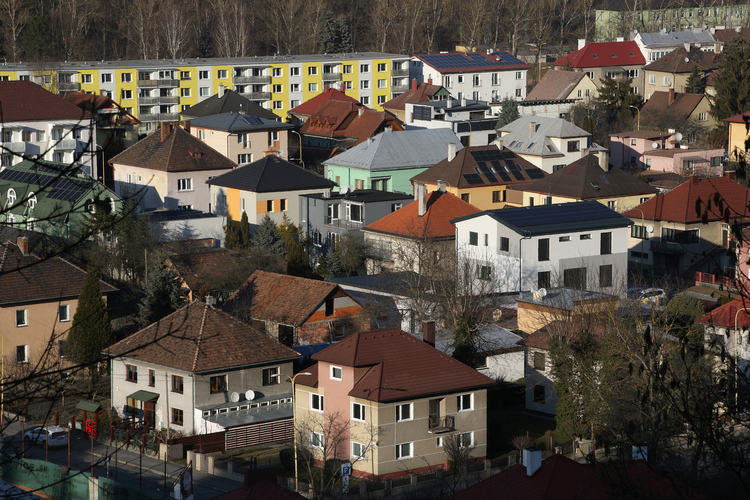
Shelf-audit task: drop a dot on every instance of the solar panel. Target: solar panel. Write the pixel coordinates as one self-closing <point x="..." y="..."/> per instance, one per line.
<point x="504" y="176"/>
<point x="604" y="178"/>
<point x="448" y="61"/>
<point x="473" y="179"/>
<point x="535" y="173"/>
<point x="517" y="174"/>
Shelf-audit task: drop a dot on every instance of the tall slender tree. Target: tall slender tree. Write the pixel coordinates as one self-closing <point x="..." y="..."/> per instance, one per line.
<point x="91" y="331"/>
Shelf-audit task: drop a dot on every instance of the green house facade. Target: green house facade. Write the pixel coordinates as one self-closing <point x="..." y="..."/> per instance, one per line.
<point x="389" y="160"/>
<point x="56" y="199"/>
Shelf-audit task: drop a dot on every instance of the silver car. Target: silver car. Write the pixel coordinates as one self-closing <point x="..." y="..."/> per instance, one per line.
<point x="51" y="436"/>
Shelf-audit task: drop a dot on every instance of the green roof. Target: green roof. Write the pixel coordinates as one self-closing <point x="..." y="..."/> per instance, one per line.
<point x="144" y="395"/>
<point x="88" y="406"/>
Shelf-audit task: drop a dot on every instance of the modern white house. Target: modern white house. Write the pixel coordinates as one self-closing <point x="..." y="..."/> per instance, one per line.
<point x="481" y="76"/>
<point x="657" y="45"/>
<point x="581" y="245"/>
<point x="470" y="120"/>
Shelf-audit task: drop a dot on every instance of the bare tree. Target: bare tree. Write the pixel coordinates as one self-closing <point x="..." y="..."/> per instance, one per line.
<point x="74" y="18"/>
<point x="472" y="23"/>
<point x="283" y="19"/>
<point x="175" y="21"/>
<point x="139" y="17"/>
<point x="16" y="15"/>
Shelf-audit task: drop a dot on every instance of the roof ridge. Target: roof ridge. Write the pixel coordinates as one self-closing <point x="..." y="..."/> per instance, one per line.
<point x="5" y="253"/>
<point x="199" y="341"/>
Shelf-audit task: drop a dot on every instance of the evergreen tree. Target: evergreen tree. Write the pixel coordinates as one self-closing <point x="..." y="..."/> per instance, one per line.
<point x="465" y="340"/>
<point x="732" y="81"/>
<point x="333" y="263"/>
<point x="328" y="34"/>
<point x="297" y="261"/>
<point x="162" y="295"/>
<point x="91" y="331"/>
<point x="268" y="237"/>
<point x="245" y="239"/>
<point x="205" y="42"/>
<point x="345" y="37"/>
<point x="616" y="97"/>
<point x="508" y="112"/>
<point x="695" y="83"/>
<point x="231" y="235"/>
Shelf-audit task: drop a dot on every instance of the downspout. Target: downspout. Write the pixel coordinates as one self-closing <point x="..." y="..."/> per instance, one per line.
<point x="520" y="259"/>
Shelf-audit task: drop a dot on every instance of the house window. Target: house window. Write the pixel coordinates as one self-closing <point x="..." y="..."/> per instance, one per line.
<point x="218" y="384"/>
<point x="612" y="204"/>
<point x="317" y="402"/>
<point x="574" y="146"/>
<point x="539" y="394"/>
<point x="184" y="75"/>
<point x="277" y="105"/>
<point x="269" y="206"/>
<point x="364" y="68"/>
<point x="396" y="206"/>
<point x="403" y="450"/>
<point x="381" y="84"/>
<point x="63" y="313"/>
<point x="185" y="92"/>
<point x="204" y="91"/>
<point x="575" y="278"/>
<point x="606" y="243"/>
<point x="294" y="71"/>
<point x="702" y="117"/>
<point x="26" y="135"/>
<point x="539" y="361"/>
<point x="127" y="94"/>
<point x="61" y="347"/>
<point x="185" y="184"/>
<point x="316" y="440"/>
<point x="329" y="306"/>
<point x="476" y="81"/>
<point x="484" y="273"/>
<point x="466" y="439"/>
<point x="364" y="84"/>
<point x="271" y="376"/>
<point x="294" y="88"/>
<point x="312" y="87"/>
<point x="203" y="75"/>
<point x="667" y="81"/>
<point x="633" y="142"/>
<point x="404" y="412"/>
<point x="222" y="74"/>
<point x="638" y="232"/>
<point x="543" y="249"/>
<point x="22" y="317"/>
<point x="277" y="89"/>
<point x="22" y="354"/>
<point x="358" y="412"/>
<point x="177" y="416"/>
<point x="448" y="82"/>
<point x="354" y="212"/>
<point x="359" y="184"/>
<point x="381" y="67"/>
<point x="564" y="238"/>
<point x="152" y="378"/>
<point x="544" y="279"/>
<point x="346" y="69"/>
<point x="333" y="211"/>
<point x="86" y="78"/>
<point x="504" y="244"/>
<point x="365" y="100"/>
<point x="336" y="372"/>
<point x="244" y="158"/>
<point x="473" y="238"/>
<point x="177" y="383"/>
<point x="276" y="72"/>
<point x="495" y="79"/>
<point x="202" y="135"/>
<point x="519" y="75"/>
<point x="460" y="79"/>
<point x="312" y="70"/>
<point x="131" y="374"/>
<point x="605" y="275"/>
<point x="652" y="79"/>
<point x="359" y="451"/>
<point x="679" y="236"/>
<point x="465" y="402"/>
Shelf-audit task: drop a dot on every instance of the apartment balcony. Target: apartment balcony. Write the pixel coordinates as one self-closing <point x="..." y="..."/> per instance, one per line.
<point x="67" y="145"/>
<point x="439" y="425"/>
<point x="158" y="117"/>
<point x="147" y="101"/>
<point x="399" y="73"/>
<point x="331" y="77"/>
<point x="258" y="96"/>
<point x="399" y="88"/>
<point x="667" y="248"/>
<point x="343" y="224"/>
<point x="147" y="83"/>
<point x="258" y="80"/>
<point x="68" y="86"/>
<point x="164" y="83"/>
<point x="14" y="147"/>
<point x="163" y="99"/>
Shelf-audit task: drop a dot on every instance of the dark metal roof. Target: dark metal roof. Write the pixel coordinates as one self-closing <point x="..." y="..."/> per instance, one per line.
<point x="271" y="174"/>
<point x="234" y="122"/>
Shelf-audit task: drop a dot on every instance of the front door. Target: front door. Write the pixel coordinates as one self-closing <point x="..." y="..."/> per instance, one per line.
<point x="434" y="413"/>
<point x="149" y="417"/>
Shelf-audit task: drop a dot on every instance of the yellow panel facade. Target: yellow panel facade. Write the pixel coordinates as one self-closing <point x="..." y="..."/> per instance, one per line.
<point x="222" y="75"/>
<point x="8" y="76"/>
<point x="350" y="80"/>
<point x="233" y="204"/>
<point x="381" y="82"/>
<point x="89" y="81"/>
<point x="126" y="96"/>
<point x="280" y="88"/>
<point x="312" y="78"/>
<point x="188" y="91"/>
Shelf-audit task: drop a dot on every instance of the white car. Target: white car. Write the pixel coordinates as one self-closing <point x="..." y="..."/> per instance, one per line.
<point x="649" y="296"/>
<point x="51" y="436"/>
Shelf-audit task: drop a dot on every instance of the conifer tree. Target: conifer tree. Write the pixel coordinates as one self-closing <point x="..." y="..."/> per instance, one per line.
<point x="268" y="237"/>
<point x="695" y="83"/>
<point x="162" y="295"/>
<point x="245" y="240"/>
<point x="732" y="81"/>
<point x="508" y="112"/>
<point x="297" y="261"/>
<point x="231" y="235"/>
<point x="91" y="331"/>
<point x="345" y="37"/>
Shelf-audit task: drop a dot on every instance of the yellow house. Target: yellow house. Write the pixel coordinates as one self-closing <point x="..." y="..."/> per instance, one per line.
<point x="586" y="180"/>
<point x="481" y="175"/>
<point x="673" y="70"/>
<point x="675" y="110"/>
<point x="739" y="133"/>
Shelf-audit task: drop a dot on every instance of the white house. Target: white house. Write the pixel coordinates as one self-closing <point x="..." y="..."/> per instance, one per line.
<point x="470" y="120"/>
<point x="481" y="76"/>
<point x="656" y="45"/>
<point x="576" y="245"/>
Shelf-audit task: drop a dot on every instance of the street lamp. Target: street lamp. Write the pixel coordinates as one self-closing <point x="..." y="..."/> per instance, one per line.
<point x="294" y="421"/>
<point x="639" y="116"/>
<point x="736" y="357"/>
<point x="300" y="150"/>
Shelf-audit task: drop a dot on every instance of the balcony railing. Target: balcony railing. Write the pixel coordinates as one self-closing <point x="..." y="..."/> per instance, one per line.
<point x="158" y="117"/>
<point x="68" y="86"/>
<point x="264" y="79"/>
<point x="258" y="96"/>
<point x="399" y="88"/>
<point x="331" y="77"/>
<point x="164" y="99"/>
<point x="444" y="424"/>
<point x="399" y="73"/>
<point x="67" y="144"/>
<point x="668" y="248"/>
<point x="165" y="82"/>
<point x="344" y="224"/>
<point x="14" y="147"/>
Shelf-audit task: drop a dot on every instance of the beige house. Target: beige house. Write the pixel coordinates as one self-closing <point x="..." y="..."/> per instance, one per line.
<point x="401" y="399"/>
<point x="242" y="138"/>
<point x="739" y="132"/>
<point x="671" y="72"/>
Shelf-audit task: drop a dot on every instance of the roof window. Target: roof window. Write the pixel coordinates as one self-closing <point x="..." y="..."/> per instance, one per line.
<point x="594" y="56"/>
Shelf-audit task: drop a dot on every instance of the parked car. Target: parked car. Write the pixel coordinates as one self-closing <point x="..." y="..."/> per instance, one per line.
<point x="649" y="296"/>
<point x="52" y="435"/>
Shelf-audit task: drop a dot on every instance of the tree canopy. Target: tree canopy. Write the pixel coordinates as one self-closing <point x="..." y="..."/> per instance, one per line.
<point x="91" y="331"/>
<point x="508" y="112"/>
<point x="162" y="294"/>
<point x="695" y="83"/>
<point x="732" y="80"/>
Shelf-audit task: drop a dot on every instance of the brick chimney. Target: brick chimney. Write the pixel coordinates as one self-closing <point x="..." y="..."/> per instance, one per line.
<point x="428" y="332"/>
<point x="414" y="85"/>
<point x="695" y="179"/>
<point x="186" y="126"/>
<point x="532" y="129"/>
<point x="23" y="244"/>
<point x="671" y="97"/>
<point x="429" y="81"/>
<point x="730" y="175"/>
<point x="166" y="128"/>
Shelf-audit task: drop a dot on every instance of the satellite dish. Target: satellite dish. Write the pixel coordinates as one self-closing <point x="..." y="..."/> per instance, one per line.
<point x="542" y="292"/>
<point x="250" y="395"/>
<point x="281" y="153"/>
<point x="678" y="137"/>
<point x="351" y="188"/>
<point x="234" y="397"/>
<point x="344" y="190"/>
<point x="687" y="59"/>
<point x="655" y="145"/>
<point x="650" y="228"/>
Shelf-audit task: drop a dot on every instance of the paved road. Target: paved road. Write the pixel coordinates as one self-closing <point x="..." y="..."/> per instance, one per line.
<point x="125" y="466"/>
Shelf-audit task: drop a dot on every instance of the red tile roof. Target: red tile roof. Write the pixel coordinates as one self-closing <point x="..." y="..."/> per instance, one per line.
<point x="423" y="94"/>
<point x="716" y="198"/>
<point x="435" y="223"/>
<point x="281" y="298"/>
<point x="743" y="118"/>
<point x="24" y="100"/>
<point x="595" y="55"/>
<point x="311" y="105"/>
<point x="561" y="477"/>
<point x="369" y="124"/>
<point x="400" y="366"/>
<point x="330" y="119"/>
<point x="179" y="152"/>
<point x="725" y="315"/>
<point x="93" y="103"/>
<point x="198" y="338"/>
<point x="27" y="278"/>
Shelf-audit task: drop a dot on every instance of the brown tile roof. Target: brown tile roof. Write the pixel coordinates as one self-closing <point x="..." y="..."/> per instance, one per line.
<point x="641" y="134"/>
<point x="454" y="172"/>
<point x="193" y="268"/>
<point x="667" y="180"/>
<point x="682" y="61"/>
<point x="330" y="119"/>
<point x="311" y="105"/>
<point x="584" y="179"/>
<point x="24" y="100"/>
<point x="279" y="297"/>
<point x="435" y="223"/>
<point x="555" y="85"/>
<point x="400" y="366"/>
<point x="27" y="278"/>
<point x="677" y="112"/>
<point x="199" y="338"/>
<point x="743" y="118"/>
<point x="179" y="152"/>
<point x="716" y="198"/>
<point x="94" y="103"/>
<point x="423" y="94"/>
<point x="605" y="54"/>
<point x="369" y="124"/>
<point x="726" y="35"/>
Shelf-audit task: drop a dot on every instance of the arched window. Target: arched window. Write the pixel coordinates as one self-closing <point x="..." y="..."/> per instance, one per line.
<point x="32" y="200"/>
<point x="11" y="196"/>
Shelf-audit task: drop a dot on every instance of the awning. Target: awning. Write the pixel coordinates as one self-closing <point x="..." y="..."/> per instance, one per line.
<point x="89" y="406"/>
<point x="144" y="396"/>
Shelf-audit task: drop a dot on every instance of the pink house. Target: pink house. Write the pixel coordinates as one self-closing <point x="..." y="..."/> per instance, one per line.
<point x="627" y="148"/>
<point x="703" y="162"/>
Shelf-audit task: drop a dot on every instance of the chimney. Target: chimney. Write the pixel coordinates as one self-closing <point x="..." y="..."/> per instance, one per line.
<point x="695" y="179"/>
<point x="165" y="130"/>
<point x="687" y="47"/>
<point x="730" y="175"/>
<point x="671" y="97"/>
<point x="414" y="85"/>
<point x="620" y="39"/>
<point x="360" y="111"/>
<point x="581" y="43"/>
<point x="532" y="459"/>
<point x="463" y="102"/>
<point x="532" y="129"/>
<point x="428" y="332"/>
<point x="451" y="151"/>
<point x="210" y="300"/>
<point x="449" y="103"/>
<point x="222" y="89"/>
<point x="186" y="126"/>
<point x="422" y="199"/>
<point x="23" y="244"/>
<point x="429" y="81"/>
<point x="388" y="128"/>
<point x="441" y="186"/>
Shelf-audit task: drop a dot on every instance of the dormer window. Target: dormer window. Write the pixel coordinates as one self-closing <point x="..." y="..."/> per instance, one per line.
<point x="32" y="200"/>
<point x="196" y="154"/>
<point x="11" y="196"/>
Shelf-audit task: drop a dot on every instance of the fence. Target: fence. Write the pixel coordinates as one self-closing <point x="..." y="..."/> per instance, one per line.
<point x="203" y="443"/>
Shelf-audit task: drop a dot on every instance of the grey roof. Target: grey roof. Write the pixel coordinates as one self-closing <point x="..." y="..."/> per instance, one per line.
<point x="455" y="104"/>
<point x="234" y="122"/>
<point x="271" y="174"/>
<point x="249" y="416"/>
<point x="675" y="38"/>
<point x="517" y="138"/>
<point x="230" y="101"/>
<point x="395" y="283"/>
<point x="562" y="298"/>
<point x="364" y="196"/>
<point x="552" y="219"/>
<point x="397" y="150"/>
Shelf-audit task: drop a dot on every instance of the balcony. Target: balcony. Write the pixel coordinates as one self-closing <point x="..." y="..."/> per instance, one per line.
<point x="158" y="117"/>
<point x="668" y="248"/>
<point x="68" y="86"/>
<point x="399" y="73"/>
<point x="147" y="83"/>
<point x="67" y="145"/>
<point x="332" y="77"/>
<point x="167" y="82"/>
<point x="14" y="147"/>
<point x="258" y="80"/>
<point x="258" y="96"/>
<point x="343" y="224"/>
<point x="399" y="88"/>
<point x="439" y="425"/>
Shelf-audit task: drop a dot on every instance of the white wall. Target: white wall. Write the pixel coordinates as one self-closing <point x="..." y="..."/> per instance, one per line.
<point x="508" y="83"/>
